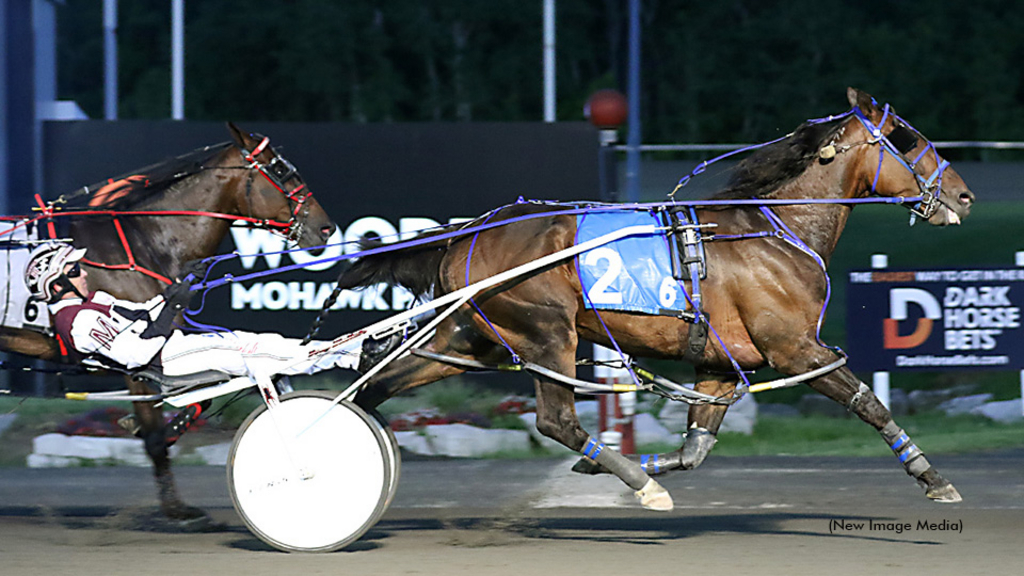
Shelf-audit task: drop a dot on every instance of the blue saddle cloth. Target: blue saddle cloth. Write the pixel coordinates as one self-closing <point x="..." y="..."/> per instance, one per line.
<point x="633" y="274"/>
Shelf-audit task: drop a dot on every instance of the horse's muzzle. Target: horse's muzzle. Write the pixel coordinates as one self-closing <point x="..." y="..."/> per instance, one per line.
<point x="953" y="211"/>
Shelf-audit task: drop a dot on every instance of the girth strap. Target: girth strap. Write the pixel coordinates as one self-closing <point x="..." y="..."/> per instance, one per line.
<point x="689" y="260"/>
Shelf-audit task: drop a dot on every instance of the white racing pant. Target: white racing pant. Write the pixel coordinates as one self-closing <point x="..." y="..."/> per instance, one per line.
<point x="248" y="353"/>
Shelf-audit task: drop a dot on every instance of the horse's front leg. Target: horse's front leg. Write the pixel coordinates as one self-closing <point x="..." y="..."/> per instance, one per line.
<point x="702" y="428"/>
<point x="842" y="386"/>
<point x="152" y="431"/>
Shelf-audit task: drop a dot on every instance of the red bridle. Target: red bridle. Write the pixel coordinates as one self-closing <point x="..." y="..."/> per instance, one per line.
<point x="278" y="171"/>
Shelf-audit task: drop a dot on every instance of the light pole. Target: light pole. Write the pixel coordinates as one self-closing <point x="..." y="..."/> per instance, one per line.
<point x="178" y="59"/>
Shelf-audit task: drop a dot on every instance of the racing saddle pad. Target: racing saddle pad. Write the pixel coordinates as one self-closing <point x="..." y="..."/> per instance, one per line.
<point x="633" y="274"/>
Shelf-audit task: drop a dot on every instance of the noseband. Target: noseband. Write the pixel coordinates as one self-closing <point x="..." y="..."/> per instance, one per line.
<point x="278" y="172"/>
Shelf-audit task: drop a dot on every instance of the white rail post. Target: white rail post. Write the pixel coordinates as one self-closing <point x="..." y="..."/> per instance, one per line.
<point x="1020" y="262"/>
<point x="880" y="380"/>
<point x="616" y="410"/>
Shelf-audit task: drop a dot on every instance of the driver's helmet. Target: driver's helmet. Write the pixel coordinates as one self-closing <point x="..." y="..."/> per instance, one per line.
<point x="46" y="266"/>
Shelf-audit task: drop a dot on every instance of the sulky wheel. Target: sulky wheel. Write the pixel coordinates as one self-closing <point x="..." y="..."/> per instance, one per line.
<point x="307" y="476"/>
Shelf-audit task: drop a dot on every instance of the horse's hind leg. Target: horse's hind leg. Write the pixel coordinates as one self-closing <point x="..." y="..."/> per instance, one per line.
<point x="411" y="371"/>
<point x="151" y="429"/>
<point x="404" y="374"/>
<point x="702" y="428"/>
<point x="556" y="418"/>
<point x="843" y="387"/>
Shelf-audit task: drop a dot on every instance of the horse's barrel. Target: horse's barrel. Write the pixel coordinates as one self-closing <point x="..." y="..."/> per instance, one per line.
<point x="606" y="109"/>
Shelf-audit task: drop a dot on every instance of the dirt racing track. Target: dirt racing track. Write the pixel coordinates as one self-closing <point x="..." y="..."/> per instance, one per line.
<point x="759" y="515"/>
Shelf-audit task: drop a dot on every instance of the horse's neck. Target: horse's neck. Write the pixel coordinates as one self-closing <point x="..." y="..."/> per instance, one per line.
<point x="819" y="225"/>
<point x="175" y="239"/>
<point x="193" y="237"/>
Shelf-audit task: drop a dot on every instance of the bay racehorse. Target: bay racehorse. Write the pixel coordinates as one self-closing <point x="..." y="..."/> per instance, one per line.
<point x="764" y="297"/>
<point x="141" y="229"/>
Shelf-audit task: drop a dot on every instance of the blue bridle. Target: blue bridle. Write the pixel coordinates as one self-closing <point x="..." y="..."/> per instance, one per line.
<point x="930" y="186"/>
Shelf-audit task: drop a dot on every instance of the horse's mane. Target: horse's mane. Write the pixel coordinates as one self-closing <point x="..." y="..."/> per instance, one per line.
<point x="129" y="190"/>
<point x="767" y="169"/>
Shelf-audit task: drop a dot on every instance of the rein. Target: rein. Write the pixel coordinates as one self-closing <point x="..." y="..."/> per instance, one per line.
<point x="589" y="208"/>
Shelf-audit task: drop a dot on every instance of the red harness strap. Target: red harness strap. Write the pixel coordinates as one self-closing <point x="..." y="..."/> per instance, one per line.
<point x="63" y="347"/>
<point x="131" y="265"/>
<point x="47" y="210"/>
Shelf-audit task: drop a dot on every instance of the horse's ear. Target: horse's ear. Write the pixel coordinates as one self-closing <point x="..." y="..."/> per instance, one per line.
<point x="864" y="101"/>
<point x="242" y="138"/>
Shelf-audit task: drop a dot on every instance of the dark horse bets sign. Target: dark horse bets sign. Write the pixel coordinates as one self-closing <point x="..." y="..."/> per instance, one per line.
<point x="935" y="319"/>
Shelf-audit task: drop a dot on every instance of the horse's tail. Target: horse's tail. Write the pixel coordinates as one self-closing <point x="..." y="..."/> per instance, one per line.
<point x="414" y="268"/>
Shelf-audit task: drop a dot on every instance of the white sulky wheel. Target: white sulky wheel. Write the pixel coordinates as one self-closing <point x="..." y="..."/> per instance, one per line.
<point x="308" y="479"/>
<point x="393" y="453"/>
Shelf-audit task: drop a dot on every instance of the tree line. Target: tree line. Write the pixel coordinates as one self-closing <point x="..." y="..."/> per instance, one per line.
<point x="717" y="71"/>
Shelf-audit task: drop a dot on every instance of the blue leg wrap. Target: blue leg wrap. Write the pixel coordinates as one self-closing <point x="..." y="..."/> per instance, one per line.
<point x="908" y="453"/>
<point x="650" y="464"/>
<point x="630" y="472"/>
<point x="592" y="448"/>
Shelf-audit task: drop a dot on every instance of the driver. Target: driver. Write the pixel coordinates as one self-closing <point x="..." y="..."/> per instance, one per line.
<point x="97" y="328"/>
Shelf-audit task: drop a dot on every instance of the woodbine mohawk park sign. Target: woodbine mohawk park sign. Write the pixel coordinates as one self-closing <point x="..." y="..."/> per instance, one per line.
<point x="938" y="320"/>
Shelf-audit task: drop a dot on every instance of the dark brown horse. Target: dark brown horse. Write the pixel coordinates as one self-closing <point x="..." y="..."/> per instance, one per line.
<point x="133" y="255"/>
<point x="763" y="296"/>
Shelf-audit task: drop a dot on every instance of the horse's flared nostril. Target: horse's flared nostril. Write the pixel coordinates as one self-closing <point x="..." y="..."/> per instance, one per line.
<point x="966" y="198"/>
<point x="326" y="231"/>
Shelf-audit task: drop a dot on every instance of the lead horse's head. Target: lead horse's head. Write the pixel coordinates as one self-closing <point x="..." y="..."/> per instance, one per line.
<point x="275" y="192"/>
<point x="905" y="163"/>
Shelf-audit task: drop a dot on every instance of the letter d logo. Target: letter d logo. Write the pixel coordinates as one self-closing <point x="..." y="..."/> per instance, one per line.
<point x="898" y="300"/>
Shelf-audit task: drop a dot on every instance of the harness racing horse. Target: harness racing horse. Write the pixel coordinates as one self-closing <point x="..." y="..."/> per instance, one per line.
<point x="763" y="297"/>
<point x="142" y="229"/>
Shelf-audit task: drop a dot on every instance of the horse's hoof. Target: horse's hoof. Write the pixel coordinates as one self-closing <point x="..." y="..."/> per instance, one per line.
<point x="654" y="497"/>
<point x="587" y="466"/>
<point x="946" y="494"/>
<point x="183" y="513"/>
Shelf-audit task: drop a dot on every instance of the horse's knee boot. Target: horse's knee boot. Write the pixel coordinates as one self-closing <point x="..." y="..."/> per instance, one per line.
<point x="916" y="465"/>
<point x="699" y="442"/>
